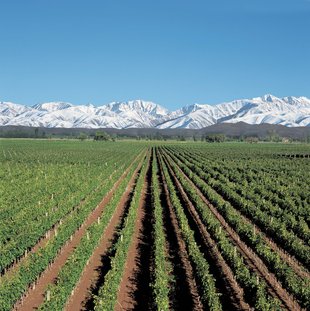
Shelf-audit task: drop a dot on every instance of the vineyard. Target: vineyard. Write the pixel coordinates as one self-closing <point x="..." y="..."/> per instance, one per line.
<point x="154" y="226"/>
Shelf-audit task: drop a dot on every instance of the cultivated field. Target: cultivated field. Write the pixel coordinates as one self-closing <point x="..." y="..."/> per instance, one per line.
<point x="154" y="226"/>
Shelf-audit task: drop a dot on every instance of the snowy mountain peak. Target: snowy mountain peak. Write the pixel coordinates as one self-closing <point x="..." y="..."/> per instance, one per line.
<point x="52" y="106"/>
<point x="269" y="98"/>
<point x="138" y="105"/>
<point x="194" y="107"/>
<point x="288" y="111"/>
<point x="299" y="101"/>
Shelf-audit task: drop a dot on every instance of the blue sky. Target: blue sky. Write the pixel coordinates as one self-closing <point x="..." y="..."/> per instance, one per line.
<point x="171" y="52"/>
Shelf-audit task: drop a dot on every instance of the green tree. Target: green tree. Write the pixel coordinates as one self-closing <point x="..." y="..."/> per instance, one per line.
<point x="82" y="136"/>
<point x="215" y="138"/>
<point x="101" y="135"/>
<point x="273" y="136"/>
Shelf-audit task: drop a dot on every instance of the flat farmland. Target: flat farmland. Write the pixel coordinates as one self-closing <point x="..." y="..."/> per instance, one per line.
<point x="134" y="225"/>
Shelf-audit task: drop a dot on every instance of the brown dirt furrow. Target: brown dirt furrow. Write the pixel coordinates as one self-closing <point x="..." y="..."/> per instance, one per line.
<point x="35" y="294"/>
<point x="92" y="272"/>
<point x="253" y="261"/>
<point x="189" y="282"/>
<point x="130" y="285"/>
<point x="225" y="277"/>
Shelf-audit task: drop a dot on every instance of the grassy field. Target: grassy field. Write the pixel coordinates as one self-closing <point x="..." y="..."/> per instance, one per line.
<point x="154" y="225"/>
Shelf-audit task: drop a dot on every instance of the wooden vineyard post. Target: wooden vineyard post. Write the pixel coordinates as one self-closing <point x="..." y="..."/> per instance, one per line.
<point x="48" y="295"/>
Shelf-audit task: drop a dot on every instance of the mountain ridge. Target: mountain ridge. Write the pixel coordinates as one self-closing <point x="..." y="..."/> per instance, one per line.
<point x="289" y="111"/>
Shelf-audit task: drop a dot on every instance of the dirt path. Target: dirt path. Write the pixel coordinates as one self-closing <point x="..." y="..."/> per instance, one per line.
<point x="35" y="295"/>
<point x="191" y="297"/>
<point x="253" y="261"/>
<point x="232" y="294"/>
<point x="92" y="273"/>
<point x="145" y="263"/>
<point x="131" y="290"/>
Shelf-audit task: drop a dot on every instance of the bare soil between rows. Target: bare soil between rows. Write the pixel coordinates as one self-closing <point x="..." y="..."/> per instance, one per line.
<point x="134" y="289"/>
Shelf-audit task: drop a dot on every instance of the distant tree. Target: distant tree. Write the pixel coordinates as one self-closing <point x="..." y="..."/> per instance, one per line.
<point x="273" y="136"/>
<point x="158" y="136"/>
<point x="181" y="138"/>
<point x="101" y="136"/>
<point x="36" y="132"/>
<point x="82" y="136"/>
<point x="215" y="138"/>
<point x="114" y="137"/>
<point x="251" y="139"/>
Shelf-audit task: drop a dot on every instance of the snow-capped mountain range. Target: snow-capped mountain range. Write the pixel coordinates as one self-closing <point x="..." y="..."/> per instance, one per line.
<point x="288" y="111"/>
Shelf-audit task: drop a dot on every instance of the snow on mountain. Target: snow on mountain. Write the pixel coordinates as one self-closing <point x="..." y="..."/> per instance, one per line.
<point x="140" y="113"/>
<point x="193" y="116"/>
<point x="137" y="105"/>
<point x="52" y="106"/>
<point x="289" y="111"/>
<point x="198" y="116"/>
<point x="11" y="110"/>
<point x="136" y="113"/>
